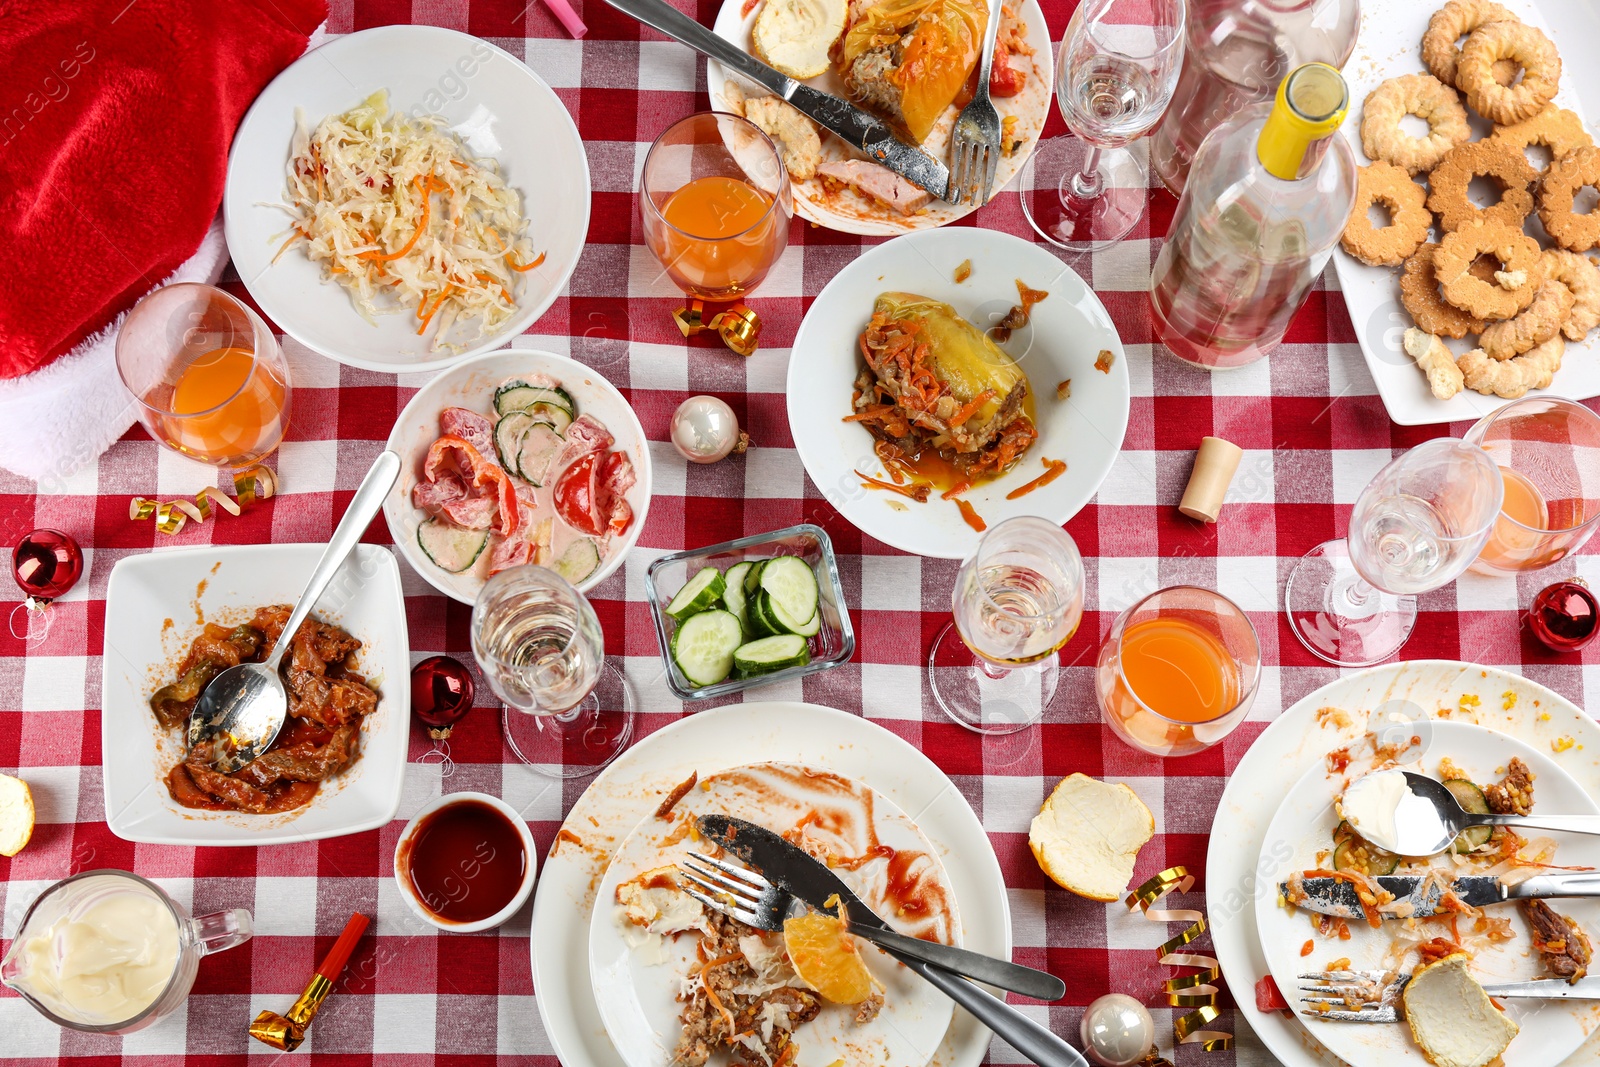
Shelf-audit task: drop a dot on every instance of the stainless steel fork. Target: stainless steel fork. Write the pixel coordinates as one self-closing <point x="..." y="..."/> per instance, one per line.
<point x="975" y="144"/>
<point x="1374" y="996"/>
<point x="745" y="895"/>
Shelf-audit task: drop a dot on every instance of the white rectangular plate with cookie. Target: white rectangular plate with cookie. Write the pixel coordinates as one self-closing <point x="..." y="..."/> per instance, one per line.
<point x="1389" y="46"/>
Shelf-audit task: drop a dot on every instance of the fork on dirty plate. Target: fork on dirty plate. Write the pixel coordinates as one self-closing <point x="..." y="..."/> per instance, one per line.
<point x="1351" y="996"/>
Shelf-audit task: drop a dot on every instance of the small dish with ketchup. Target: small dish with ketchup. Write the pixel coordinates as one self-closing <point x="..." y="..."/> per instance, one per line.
<point x="466" y="862"/>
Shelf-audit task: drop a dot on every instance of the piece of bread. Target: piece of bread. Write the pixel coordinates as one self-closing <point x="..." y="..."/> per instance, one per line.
<point x="795" y="35"/>
<point x="1088" y="835"/>
<point x="1452" y="1019"/>
<point x="16" y="815"/>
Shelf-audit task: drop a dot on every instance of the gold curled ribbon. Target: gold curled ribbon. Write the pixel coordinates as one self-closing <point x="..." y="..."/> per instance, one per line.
<point x="738" y="326"/>
<point x="1196" y="992"/>
<point x="250" y="485"/>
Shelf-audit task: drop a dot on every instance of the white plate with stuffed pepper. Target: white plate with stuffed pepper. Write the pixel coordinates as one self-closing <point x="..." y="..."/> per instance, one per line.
<point x="1459" y="301"/>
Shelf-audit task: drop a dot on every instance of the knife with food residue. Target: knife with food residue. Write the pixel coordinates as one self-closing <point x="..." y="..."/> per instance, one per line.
<point x="1417" y="895"/>
<point x="780" y="862"/>
<point x="854" y="126"/>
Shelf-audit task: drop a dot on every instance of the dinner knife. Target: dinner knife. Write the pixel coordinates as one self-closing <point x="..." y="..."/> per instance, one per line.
<point x="1337" y="896"/>
<point x="795" y="871"/>
<point x="858" y="128"/>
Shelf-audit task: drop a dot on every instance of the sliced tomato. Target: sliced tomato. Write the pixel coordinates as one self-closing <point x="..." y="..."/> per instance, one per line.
<point x="577" y="495"/>
<point x="479" y="473"/>
<point x="1004" y="79"/>
<point x="1269" y="997"/>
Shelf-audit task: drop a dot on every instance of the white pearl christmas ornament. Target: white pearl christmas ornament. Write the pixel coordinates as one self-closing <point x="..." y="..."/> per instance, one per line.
<point x="1117" y="1031"/>
<point x="704" y="429"/>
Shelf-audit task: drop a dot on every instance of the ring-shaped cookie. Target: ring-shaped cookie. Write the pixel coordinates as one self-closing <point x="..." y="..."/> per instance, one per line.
<point x="1567" y="228"/>
<point x="1535" y="325"/>
<point x="1583" y="279"/>
<point x="1517" y="252"/>
<point x="1428" y="99"/>
<point x="1449" y="185"/>
<point x="1389" y="185"/>
<point x="1555" y="128"/>
<point x="1451" y="22"/>
<point x="1541" y="71"/>
<point x="1419" y="295"/>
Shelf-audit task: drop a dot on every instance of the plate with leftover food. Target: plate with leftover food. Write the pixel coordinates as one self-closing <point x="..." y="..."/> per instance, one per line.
<point x="406" y="196"/>
<point x="632" y="790"/>
<point x="1394" y="701"/>
<point x="1485" y="771"/>
<point x="1461" y="298"/>
<point x="175" y="619"/>
<point x="678" y="982"/>
<point x="517" y="457"/>
<point x="912" y="63"/>
<point x="954" y="378"/>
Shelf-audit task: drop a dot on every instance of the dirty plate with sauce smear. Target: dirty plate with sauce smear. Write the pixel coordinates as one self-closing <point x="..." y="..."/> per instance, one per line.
<point x="877" y="850"/>
<point x="1076" y="371"/>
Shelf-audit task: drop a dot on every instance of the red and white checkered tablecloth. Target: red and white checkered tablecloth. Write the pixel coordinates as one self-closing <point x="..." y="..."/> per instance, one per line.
<point x="1312" y="426"/>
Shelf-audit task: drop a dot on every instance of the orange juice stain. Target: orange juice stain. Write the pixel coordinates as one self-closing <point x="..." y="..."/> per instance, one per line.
<point x="1179" y="670"/>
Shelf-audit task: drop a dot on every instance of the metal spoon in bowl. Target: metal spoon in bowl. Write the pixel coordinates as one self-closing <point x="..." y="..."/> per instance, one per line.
<point x="244" y="707"/>
<point x="1424" y="818"/>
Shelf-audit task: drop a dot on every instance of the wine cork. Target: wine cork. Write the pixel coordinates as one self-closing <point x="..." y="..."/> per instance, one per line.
<point x="1214" y="465"/>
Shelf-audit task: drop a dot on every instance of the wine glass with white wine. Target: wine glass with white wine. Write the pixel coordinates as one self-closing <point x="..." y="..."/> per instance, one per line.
<point x="1016" y="601"/>
<point x="1415" y="527"/>
<point x="1115" y="73"/>
<point x="538" y="642"/>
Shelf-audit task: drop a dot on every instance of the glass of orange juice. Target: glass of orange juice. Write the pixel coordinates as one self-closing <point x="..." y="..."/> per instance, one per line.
<point x="1548" y="451"/>
<point x="1179" y="671"/>
<point x="210" y="379"/>
<point x="715" y="202"/>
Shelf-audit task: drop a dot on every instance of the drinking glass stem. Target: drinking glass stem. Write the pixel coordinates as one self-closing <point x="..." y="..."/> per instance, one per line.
<point x="993" y="670"/>
<point x="1086" y="183"/>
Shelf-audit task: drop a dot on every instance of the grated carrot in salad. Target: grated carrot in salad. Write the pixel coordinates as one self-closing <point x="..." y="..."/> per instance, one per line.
<point x="387" y="203"/>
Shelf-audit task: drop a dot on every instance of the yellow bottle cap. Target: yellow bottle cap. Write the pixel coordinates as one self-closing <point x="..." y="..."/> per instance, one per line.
<point x="1311" y="103"/>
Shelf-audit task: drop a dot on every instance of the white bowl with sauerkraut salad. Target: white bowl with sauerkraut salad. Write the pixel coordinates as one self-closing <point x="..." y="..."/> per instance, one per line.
<point x="405" y="197"/>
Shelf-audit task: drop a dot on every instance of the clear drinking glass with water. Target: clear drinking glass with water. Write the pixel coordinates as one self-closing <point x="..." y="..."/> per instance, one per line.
<point x="539" y="645"/>
<point x="1414" y="528"/>
<point x="1016" y="601"/>
<point x="1115" y="73"/>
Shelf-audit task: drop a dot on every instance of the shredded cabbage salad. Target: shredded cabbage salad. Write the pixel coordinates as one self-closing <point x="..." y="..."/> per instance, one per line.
<point x="391" y="205"/>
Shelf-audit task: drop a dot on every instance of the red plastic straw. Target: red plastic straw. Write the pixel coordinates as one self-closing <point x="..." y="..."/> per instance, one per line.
<point x="333" y="963"/>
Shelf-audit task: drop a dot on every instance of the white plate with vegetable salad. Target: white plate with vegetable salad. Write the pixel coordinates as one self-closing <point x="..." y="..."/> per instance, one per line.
<point x="517" y="457"/>
<point x="406" y="197"/>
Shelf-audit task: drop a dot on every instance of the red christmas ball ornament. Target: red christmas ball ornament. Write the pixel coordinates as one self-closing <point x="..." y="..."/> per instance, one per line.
<point x="441" y="693"/>
<point x="1565" y="616"/>
<point x="46" y="563"/>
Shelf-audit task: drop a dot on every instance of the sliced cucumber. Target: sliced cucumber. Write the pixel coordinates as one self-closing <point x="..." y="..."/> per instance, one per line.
<point x="541" y="444"/>
<point x="449" y="546"/>
<point x="1473" y="802"/>
<point x="772" y="609"/>
<point x="793" y="588"/>
<point x="772" y="654"/>
<point x="558" y="417"/>
<point x="1343" y="831"/>
<point x="1356" y="854"/>
<point x="517" y="395"/>
<point x="581" y="559"/>
<point x="703" y="646"/>
<point x="508" y="434"/>
<point x="733" y="596"/>
<point x="758" y="616"/>
<point x="752" y="577"/>
<point x="698" y="594"/>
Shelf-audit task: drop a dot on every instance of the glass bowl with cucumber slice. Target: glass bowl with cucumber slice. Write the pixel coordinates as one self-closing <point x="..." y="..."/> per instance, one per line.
<point x="750" y="612"/>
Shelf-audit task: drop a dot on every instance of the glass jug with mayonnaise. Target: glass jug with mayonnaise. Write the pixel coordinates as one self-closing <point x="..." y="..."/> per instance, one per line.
<point x="108" y="952"/>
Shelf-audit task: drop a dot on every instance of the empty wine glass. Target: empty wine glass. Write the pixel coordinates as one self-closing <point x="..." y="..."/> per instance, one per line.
<point x="1414" y="528"/>
<point x="1115" y="73"/>
<point x="536" y="638"/>
<point x="1017" y="600"/>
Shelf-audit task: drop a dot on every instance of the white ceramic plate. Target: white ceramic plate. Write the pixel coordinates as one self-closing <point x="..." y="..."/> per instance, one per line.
<point x="500" y="108"/>
<point x="1390" y="45"/>
<point x="713" y="740"/>
<point x="851" y="213"/>
<point x="636" y="984"/>
<point x="1304" y="825"/>
<point x="471" y="384"/>
<point x="226" y="584"/>
<point x="1067" y="332"/>
<point x="1297" y="740"/>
